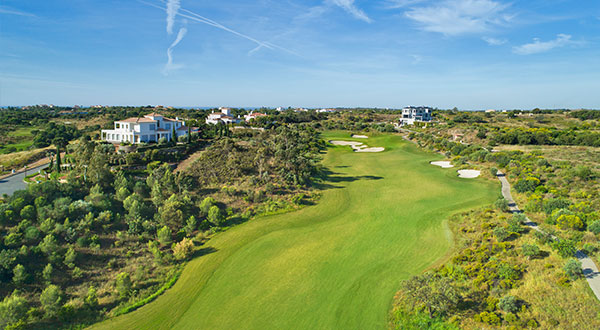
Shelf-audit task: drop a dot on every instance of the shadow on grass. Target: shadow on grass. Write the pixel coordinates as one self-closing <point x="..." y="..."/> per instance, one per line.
<point x="203" y="251"/>
<point x="329" y="179"/>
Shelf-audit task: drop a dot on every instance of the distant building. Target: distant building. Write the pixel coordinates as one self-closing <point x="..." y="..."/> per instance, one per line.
<point x="411" y="114"/>
<point x="490" y="110"/>
<point x="253" y="115"/>
<point x="326" y="110"/>
<point x="149" y="128"/>
<point x="224" y="116"/>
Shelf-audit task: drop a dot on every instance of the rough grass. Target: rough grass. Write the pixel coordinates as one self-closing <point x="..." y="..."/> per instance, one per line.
<point x="333" y="265"/>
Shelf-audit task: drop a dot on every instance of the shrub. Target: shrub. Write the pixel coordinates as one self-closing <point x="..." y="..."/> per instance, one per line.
<point x="564" y="247"/>
<point x="569" y="221"/>
<point x="184" y="249"/>
<point x="501" y="233"/>
<point x="572" y="269"/>
<point x="594" y="227"/>
<point x="555" y="203"/>
<point x="91" y="299"/>
<point x="502" y="204"/>
<point x="530" y="250"/>
<point x="214" y="216"/>
<point x="527" y="185"/>
<point x="493" y="171"/>
<point x="508" y="304"/>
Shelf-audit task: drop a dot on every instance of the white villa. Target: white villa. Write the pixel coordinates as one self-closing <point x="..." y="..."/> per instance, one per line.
<point x="149" y="128"/>
<point x="411" y="114"/>
<point x="253" y="115"/>
<point x="224" y="116"/>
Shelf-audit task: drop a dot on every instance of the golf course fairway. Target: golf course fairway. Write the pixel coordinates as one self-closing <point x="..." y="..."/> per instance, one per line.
<point x="333" y="265"/>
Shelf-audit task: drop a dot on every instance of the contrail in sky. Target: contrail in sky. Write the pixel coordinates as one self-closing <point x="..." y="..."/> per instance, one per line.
<point x="170" y="66"/>
<point x="172" y="9"/>
<point x="201" y="19"/>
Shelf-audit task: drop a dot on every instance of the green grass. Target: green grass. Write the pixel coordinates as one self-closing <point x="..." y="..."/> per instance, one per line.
<point x="335" y="265"/>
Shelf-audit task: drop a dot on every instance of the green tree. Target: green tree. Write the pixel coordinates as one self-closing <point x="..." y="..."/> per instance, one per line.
<point x="501" y="233"/>
<point x="13" y="311"/>
<point x="436" y="294"/>
<point x="564" y="247"/>
<point x="123" y="285"/>
<point x="508" y="304"/>
<point x="572" y="269"/>
<point x="164" y="235"/>
<point x="191" y="225"/>
<point x="70" y="257"/>
<point x="184" y="249"/>
<point x="530" y="251"/>
<point x="51" y="300"/>
<point x="91" y="299"/>
<point x="214" y="216"/>
<point x="47" y="273"/>
<point x="19" y="274"/>
<point x="28" y="213"/>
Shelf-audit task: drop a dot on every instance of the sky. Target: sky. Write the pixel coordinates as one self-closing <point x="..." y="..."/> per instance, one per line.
<point x="470" y="54"/>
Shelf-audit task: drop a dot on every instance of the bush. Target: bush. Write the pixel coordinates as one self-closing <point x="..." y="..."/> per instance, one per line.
<point x="184" y="249"/>
<point x="594" y="227"/>
<point x="164" y="235"/>
<point x="508" y="304"/>
<point x="530" y="250"/>
<point x="501" y="233"/>
<point x="502" y="204"/>
<point x="527" y="185"/>
<point x="214" y="216"/>
<point x="493" y="171"/>
<point x="564" y="247"/>
<point x="572" y="269"/>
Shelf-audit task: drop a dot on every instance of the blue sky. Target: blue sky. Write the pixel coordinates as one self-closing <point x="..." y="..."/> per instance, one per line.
<point x="472" y="54"/>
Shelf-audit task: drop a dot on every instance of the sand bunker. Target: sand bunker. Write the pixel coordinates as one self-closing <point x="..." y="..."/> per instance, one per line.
<point x="468" y="174"/>
<point x="442" y="164"/>
<point x="357" y="146"/>
<point x="360" y="136"/>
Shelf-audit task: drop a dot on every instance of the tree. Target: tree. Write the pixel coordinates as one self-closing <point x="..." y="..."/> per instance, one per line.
<point x="164" y="235"/>
<point x="70" y="257"/>
<point x="28" y="213"/>
<point x="51" y="300"/>
<point x="13" y="310"/>
<point x="564" y="247"/>
<point x="184" y="249"/>
<point x="436" y="294"/>
<point x="123" y="285"/>
<point x="572" y="269"/>
<point x="191" y="225"/>
<point x="19" y="274"/>
<point x="59" y="143"/>
<point x="47" y="273"/>
<point x="214" y="216"/>
<point x="530" y="250"/>
<point x="91" y="299"/>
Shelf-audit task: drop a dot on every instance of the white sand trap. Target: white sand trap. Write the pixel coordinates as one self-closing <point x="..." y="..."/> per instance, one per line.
<point x="468" y="174"/>
<point x="442" y="164"/>
<point x="357" y="146"/>
<point x="345" y="143"/>
<point x="374" y="149"/>
<point x="360" y="136"/>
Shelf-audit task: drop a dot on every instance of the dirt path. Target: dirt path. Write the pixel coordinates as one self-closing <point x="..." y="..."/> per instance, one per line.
<point x="590" y="270"/>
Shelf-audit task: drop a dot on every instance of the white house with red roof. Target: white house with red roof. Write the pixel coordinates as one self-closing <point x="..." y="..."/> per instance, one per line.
<point x="253" y="115"/>
<point x="150" y="128"/>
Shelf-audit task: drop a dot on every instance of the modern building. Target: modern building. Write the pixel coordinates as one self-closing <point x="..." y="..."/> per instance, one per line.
<point x="411" y="114"/>
<point x="224" y="116"/>
<point x="150" y="128"/>
<point x="253" y="115"/>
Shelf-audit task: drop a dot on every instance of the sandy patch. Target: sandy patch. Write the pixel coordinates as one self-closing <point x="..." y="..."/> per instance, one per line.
<point x="442" y="164"/>
<point x="357" y="146"/>
<point x="360" y="136"/>
<point x="468" y="174"/>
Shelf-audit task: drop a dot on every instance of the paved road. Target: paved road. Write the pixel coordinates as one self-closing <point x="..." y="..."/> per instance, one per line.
<point x="590" y="270"/>
<point x="13" y="183"/>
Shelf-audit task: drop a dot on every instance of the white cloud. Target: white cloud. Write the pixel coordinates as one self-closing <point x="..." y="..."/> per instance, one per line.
<point x="494" y="41"/>
<point x="170" y="66"/>
<point x="538" y="46"/>
<point x="458" y="17"/>
<point x="172" y="9"/>
<point x="395" y="4"/>
<point x="350" y="7"/>
<point x="11" y="11"/>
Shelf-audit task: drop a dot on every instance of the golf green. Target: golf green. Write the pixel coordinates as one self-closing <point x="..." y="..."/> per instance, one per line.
<point x="334" y="265"/>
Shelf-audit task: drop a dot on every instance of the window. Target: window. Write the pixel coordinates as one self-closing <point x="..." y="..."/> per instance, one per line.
<point x="167" y="126"/>
<point x="153" y="127"/>
<point x="117" y="125"/>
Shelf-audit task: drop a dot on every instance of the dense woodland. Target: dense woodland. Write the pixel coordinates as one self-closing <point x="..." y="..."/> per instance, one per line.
<point x="111" y="231"/>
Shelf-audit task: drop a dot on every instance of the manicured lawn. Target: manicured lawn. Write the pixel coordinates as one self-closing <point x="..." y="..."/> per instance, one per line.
<point x="335" y="265"/>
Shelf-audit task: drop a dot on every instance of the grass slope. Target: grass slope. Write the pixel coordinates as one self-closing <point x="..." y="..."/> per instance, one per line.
<point x="333" y="265"/>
